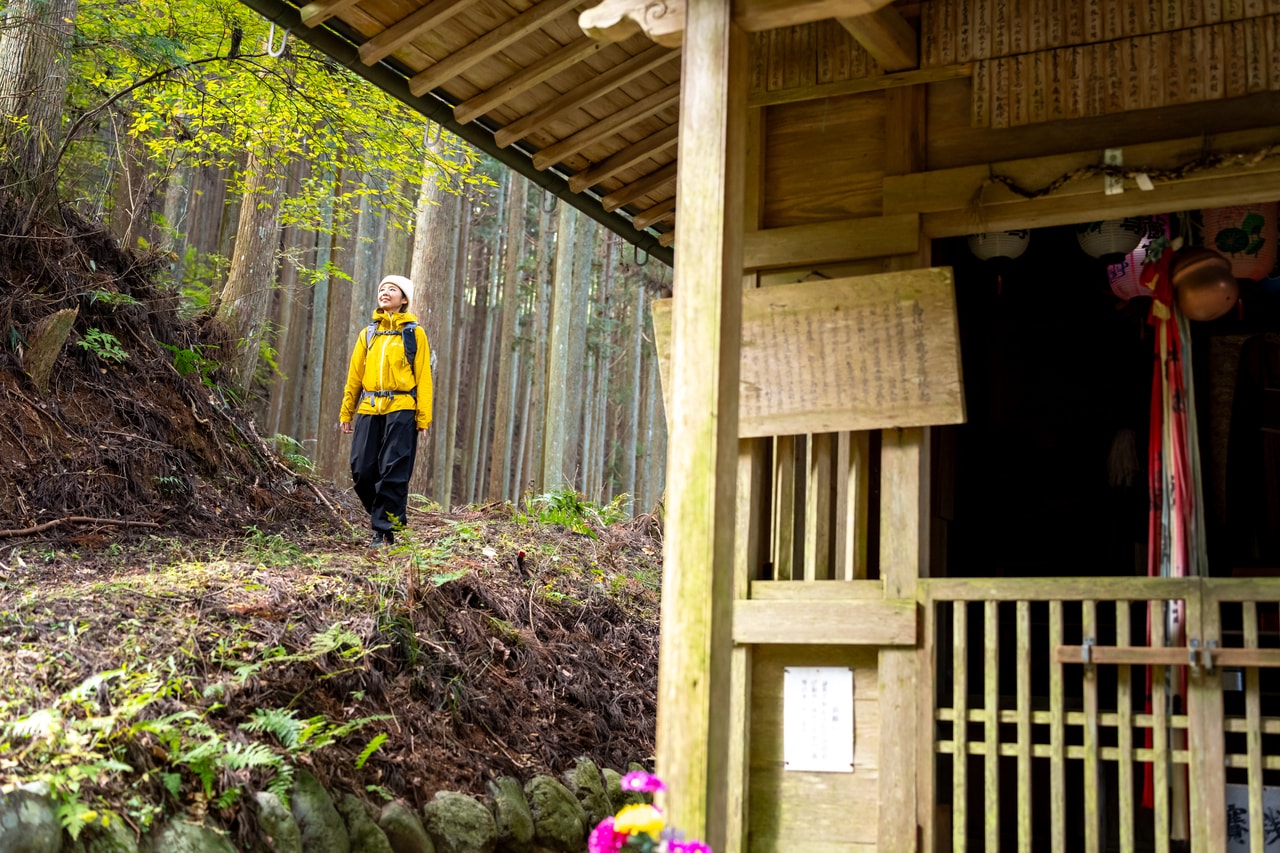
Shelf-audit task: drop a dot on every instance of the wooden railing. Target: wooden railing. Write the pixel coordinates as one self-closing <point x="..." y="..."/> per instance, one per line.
<point x="1079" y="697"/>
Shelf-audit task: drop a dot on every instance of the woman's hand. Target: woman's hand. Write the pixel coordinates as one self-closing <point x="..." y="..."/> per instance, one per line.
<point x="346" y="428"/>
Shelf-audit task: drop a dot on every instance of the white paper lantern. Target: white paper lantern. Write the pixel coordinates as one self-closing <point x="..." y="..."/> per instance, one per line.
<point x="1112" y="239"/>
<point x="999" y="244"/>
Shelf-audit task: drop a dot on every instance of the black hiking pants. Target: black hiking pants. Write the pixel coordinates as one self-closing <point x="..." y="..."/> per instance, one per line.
<point x="383" y="448"/>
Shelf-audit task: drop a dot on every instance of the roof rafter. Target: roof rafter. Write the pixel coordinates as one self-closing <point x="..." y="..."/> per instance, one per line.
<point x="660" y="212"/>
<point x="607" y="126"/>
<point x="525" y="79"/>
<point x="640" y="188"/>
<point x="625" y="158"/>
<point x="402" y="32"/>
<point x="596" y="87"/>
<point x="477" y="51"/>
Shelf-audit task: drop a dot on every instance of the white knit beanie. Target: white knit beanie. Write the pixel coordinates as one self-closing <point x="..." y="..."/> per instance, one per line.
<point x="405" y="285"/>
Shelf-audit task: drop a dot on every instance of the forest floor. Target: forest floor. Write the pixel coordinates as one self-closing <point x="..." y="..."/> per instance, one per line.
<point x="184" y="614"/>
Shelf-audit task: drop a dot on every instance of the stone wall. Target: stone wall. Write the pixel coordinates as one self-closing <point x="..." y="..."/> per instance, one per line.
<point x="545" y="815"/>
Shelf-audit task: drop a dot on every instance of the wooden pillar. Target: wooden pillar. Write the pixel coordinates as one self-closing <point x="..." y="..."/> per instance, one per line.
<point x="702" y="456"/>
<point x="904" y="495"/>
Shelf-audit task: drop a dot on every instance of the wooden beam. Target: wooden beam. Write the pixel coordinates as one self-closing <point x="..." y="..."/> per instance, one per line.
<point x="404" y="31"/>
<point x="663" y="20"/>
<point x="640" y="188"/>
<point x="607" y="126"/>
<point x="660" y="212"/>
<point x="946" y="196"/>
<point x="828" y="242"/>
<point x="316" y="13"/>
<point x="477" y="51"/>
<point x="885" y="34"/>
<point x="525" y="79"/>
<point x="866" y="622"/>
<point x="904" y="537"/>
<point x="1256" y="185"/>
<point x="667" y="238"/>
<point x="596" y="87"/>
<point x="696" y="648"/>
<point x="627" y="157"/>
<point x="758" y="15"/>
<point x="860" y="85"/>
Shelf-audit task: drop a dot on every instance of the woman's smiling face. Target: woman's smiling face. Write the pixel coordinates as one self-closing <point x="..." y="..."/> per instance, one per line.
<point x="391" y="298"/>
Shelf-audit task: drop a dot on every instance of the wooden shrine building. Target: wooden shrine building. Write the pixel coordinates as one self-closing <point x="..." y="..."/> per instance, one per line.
<point x="906" y="602"/>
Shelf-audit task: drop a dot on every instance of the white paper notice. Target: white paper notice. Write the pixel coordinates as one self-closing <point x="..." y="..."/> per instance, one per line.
<point x="817" y="718"/>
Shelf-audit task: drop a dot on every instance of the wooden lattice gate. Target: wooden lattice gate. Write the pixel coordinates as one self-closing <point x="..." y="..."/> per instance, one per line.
<point x="1101" y="714"/>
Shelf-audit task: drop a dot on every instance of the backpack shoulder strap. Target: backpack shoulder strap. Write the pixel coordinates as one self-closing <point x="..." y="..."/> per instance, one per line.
<point x="410" y="346"/>
<point x="369" y="333"/>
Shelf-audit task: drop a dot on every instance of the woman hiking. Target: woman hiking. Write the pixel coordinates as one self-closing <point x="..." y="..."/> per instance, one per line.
<point x="388" y="393"/>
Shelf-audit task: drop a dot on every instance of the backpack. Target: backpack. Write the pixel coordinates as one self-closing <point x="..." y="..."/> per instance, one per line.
<point x="410" y="344"/>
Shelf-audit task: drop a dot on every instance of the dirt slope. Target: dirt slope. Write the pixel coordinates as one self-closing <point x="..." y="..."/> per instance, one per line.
<point x="146" y="531"/>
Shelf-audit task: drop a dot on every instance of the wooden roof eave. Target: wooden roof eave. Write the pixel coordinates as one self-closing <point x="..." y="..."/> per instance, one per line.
<point x="332" y="38"/>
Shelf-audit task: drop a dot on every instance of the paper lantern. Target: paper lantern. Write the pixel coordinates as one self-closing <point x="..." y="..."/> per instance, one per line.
<point x="1245" y="235"/>
<point x="1125" y="277"/>
<point x="1112" y="239"/>
<point x="998" y="245"/>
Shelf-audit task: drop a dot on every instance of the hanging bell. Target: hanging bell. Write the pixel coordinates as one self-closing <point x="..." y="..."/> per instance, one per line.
<point x="1204" y="284"/>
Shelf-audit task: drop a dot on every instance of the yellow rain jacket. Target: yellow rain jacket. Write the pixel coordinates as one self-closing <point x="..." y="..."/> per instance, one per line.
<point x="381" y="366"/>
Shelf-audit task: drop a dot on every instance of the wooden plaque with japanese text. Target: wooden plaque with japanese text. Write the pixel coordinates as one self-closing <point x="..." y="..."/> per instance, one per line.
<point x="870" y="352"/>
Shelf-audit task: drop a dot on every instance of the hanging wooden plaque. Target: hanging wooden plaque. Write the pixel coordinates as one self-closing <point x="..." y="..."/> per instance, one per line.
<point x="1234" y="48"/>
<point x="964" y="31"/>
<point x="1000" y="74"/>
<point x="1113" y="18"/>
<point x="1154" y="16"/>
<point x="1017" y="14"/>
<point x="1256" y="59"/>
<point x="1196" y="53"/>
<point x="1212" y="11"/>
<point x="1154" y="50"/>
<point x="1093" y="21"/>
<point x="1134" y="18"/>
<point x="871" y="352"/>
<point x="1036" y="25"/>
<point x="1215" y="72"/>
<point x="1000" y="35"/>
<point x="980" y="101"/>
<point x="1131" y="57"/>
<point x="1055" y="22"/>
<point x="1019" y="90"/>
<point x="1273" y="51"/>
<point x="947" y="29"/>
<point x="1038" y="96"/>
<point x="982" y="29"/>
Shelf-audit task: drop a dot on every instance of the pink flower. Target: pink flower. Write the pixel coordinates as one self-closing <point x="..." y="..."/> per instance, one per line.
<point x="687" y="847"/>
<point x="604" y="839"/>
<point x="638" y="780"/>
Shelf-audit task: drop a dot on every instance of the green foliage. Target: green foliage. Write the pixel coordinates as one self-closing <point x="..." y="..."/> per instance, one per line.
<point x="188" y="361"/>
<point x="293" y="452"/>
<point x="110" y="297"/>
<point x="189" y="83"/>
<point x="104" y="345"/>
<point x="271" y="549"/>
<point x="571" y="511"/>
<point x="87" y="733"/>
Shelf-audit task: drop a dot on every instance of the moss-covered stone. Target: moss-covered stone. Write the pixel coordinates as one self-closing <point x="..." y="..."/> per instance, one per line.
<point x="28" y="823"/>
<point x="584" y="780"/>
<point x="278" y="823"/>
<point x="321" y="827"/>
<point x="363" y="832"/>
<point x="459" y="824"/>
<point x="512" y="815"/>
<point x="404" y="829"/>
<point x="559" y="821"/>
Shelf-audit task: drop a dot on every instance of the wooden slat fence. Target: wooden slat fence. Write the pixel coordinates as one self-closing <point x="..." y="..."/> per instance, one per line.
<point x="1063" y="710"/>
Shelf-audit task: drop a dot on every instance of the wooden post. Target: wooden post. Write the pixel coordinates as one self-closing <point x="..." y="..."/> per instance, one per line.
<point x="904" y="522"/>
<point x="702" y="458"/>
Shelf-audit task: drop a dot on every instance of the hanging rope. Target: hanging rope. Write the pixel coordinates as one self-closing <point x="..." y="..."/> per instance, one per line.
<point x="272" y="50"/>
<point x="639" y="262"/>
